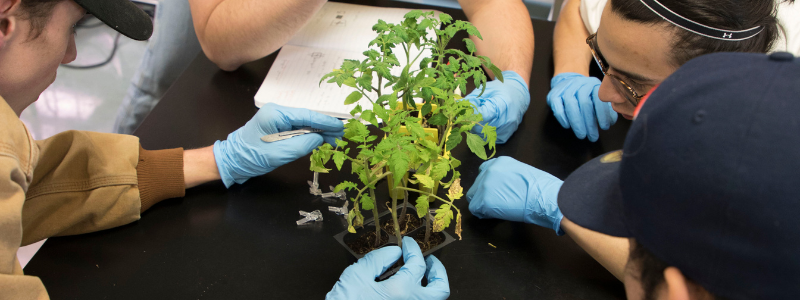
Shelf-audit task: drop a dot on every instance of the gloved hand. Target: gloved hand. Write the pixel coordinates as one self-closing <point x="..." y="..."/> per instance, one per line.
<point x="358" y="280"/>
<point x="510" y="190"/>
<point x="502" y="104"/>
<point x="573" y="99"/>
<point x="244" y="154"/>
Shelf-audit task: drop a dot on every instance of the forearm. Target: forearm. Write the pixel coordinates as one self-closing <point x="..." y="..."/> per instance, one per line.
<point x="570" y="52"/>
<point x="234" y="32"/>
<point x="611" y="252"/>
<point x="199" y="166"/>
<point x="507" y="32"/>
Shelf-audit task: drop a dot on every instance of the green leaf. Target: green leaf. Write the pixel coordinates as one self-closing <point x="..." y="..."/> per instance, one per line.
<point x="340" y="143"/>
<point x="385" y="98"/>
<point x="365" y="81"/>
<point x="472" y="30"/>
<point x="440" y="169"/>
<point x="366" y="202"/>
<point x="470" y="45"/>
<point x="490" y="134"/>
<point x="350" y="81"/>
<point x="380" y="26"/>
<point x="398" y="164"/>
<point x="413" y="14"/>
<point x="338" y="158"/>
<point x="445" y="18"/>
<point x="426" y="109"/>
<point x="454" y="162"/>
<point x="416" y="130"/>
<point x="383" y="72"/>
<point x="438" y="119"/>
<point x="353" y="97"/>
<point x="476" y="145"/>
<point x="424" y="24"/>
<point x="422" y="64"/>
<point x="450" y="30"/>
<point x="426" y="180"/>
<point x="497" y="72"/>
<point x="422" y="206"/>
<point x="329" y="75"/>
<point x="345" y="185"/>
<point x="356" y="110"/>
<point x="369" y="116"/>
<point x="427" y="81"/>
<point x="453" y="140"/>
<point x="430" y="144"/>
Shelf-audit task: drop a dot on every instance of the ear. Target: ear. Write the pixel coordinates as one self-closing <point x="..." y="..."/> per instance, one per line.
<point x="8" y="20"/>
<point x="676" y="284"/>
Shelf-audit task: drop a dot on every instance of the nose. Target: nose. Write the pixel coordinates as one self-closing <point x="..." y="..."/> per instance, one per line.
<point x="72" y="51"/>
<point x="609" y="93"/>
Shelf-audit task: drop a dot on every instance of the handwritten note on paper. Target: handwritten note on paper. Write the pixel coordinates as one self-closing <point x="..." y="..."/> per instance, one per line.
<point x="337" y="32"/>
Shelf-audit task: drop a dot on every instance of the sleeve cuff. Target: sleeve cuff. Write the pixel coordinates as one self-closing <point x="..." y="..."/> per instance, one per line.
<point x="160" y="174"/>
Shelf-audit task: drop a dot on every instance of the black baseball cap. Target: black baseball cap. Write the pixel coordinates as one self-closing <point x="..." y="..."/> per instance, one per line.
<point x="122" y="15"/>
<point x="709" y="177"/>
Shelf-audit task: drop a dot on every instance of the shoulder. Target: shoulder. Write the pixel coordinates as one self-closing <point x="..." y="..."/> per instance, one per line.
<point x="16" y="142"/>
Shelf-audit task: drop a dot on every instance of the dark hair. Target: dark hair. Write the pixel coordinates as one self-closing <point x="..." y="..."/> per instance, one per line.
<point x="651" y="271"/>
<point x="722" y="14"/>
<point x="38" y="12"/>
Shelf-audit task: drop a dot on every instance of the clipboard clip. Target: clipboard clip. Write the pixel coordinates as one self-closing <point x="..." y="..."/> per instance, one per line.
<point x="288" y="134"/>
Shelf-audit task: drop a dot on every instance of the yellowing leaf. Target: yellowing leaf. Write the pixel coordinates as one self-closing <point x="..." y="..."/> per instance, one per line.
<point x="422" y="206"/>
<point x="455" y="191"/>
<point x="426" y="180"/>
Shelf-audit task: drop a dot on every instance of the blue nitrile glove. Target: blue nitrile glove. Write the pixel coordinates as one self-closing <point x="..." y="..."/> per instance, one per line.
<point x="574" y="101"/>
<point x="502" y="104"/>
<point x="510" y="190"/>
<point x="358" y="280"/>
<point x="244" y="154"/>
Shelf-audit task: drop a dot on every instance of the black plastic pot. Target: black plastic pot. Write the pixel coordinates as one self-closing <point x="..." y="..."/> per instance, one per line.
<point x="345" y="236"/>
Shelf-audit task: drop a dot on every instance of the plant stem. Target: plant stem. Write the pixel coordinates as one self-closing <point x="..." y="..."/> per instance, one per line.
<point x="428" y="227"/>
<point x="375" y="219"/>
<point x="396" y="224"/>
<point x="405" y="199"/>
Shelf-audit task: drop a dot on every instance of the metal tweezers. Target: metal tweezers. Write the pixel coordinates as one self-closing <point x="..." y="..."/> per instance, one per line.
<point x="288" y="134"/>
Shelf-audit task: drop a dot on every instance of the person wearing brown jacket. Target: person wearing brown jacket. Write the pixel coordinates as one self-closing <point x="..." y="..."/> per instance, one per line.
<point x="77" y="182"/>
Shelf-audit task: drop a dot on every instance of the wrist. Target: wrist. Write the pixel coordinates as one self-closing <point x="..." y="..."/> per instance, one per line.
<point x="562" y="77"/>
<point x="219" y="149"/>
<point x="199" y="166"/>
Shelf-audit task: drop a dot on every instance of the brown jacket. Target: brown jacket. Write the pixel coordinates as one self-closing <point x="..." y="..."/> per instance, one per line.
<point x="72" y="183"/>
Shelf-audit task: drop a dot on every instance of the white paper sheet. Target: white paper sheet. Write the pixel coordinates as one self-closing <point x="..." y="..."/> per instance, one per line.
<point x="337" y="32"/>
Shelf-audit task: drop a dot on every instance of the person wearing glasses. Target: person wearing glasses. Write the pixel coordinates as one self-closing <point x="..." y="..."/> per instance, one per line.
<point x="638" y="45"/>
<point x="641" y="42"/>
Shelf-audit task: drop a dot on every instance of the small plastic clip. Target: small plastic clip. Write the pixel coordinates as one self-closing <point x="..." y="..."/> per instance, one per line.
<point x="341" y="194"/>
<point x="310" y="217"/>
<point x="339" y="210"/>
<point x="314" y="186"/>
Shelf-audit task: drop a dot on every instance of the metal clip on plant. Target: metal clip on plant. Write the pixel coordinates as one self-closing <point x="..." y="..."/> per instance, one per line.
<point x="310" y="217"/>
<point x="339" y="210"/>
<point x="314" y="186"/>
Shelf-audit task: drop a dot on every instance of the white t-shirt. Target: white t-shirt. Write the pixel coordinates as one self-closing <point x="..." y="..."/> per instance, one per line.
<point x="788" y="17"/>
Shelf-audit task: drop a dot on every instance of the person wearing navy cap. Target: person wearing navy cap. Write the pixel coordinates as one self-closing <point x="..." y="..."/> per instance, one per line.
<point x="705" y="189"/>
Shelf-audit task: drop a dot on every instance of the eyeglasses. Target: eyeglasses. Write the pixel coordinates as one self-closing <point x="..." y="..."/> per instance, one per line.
<point x="623" y="87"/>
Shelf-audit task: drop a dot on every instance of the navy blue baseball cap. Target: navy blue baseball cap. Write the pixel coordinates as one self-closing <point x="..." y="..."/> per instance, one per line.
<point x="709" y="177"/>
<point x="122" y="15"/>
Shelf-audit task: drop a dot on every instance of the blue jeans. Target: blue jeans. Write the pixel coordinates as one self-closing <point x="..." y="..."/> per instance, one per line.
<point x="169" y="51"/>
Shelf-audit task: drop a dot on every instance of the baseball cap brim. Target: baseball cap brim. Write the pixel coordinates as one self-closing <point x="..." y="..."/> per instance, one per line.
<point x="122" y="15"/>
<point x="591" y="197"/>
